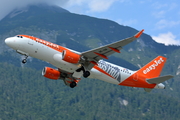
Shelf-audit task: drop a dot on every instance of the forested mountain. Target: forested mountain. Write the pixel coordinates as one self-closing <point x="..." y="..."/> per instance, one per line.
<point x="25" y="94"/>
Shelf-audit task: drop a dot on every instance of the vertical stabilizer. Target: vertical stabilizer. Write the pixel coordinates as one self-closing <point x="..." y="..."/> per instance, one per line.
<point x="153" y="68"/>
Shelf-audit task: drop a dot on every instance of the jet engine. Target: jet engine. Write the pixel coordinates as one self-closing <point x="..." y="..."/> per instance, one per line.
<point x="70" y="57"/>
<point x="51" y="73"/>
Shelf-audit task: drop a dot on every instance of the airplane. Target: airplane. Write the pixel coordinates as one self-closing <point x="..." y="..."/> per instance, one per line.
<point x="72" y="65"/>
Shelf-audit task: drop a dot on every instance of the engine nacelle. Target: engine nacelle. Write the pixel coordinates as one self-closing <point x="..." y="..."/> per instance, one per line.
<point x="160" y="86"/>
<point x="70" y="57"/>
<point x="51" y="73"/>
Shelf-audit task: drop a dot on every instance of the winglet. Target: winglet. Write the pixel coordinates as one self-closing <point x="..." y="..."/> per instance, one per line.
<point x="139" y="33"/>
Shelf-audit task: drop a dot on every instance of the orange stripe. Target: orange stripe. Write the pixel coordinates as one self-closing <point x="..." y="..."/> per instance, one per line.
<point x="46" y="43"/>
<point x="101" y="70"/>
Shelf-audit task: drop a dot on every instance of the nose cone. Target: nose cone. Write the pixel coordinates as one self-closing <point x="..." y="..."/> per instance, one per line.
<point x="9" y="42"/>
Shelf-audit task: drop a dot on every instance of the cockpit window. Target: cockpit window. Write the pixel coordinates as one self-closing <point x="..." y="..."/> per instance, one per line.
<point x="19" y="36"/>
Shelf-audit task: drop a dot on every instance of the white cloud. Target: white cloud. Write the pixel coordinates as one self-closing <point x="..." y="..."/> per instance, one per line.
<point x="167" y="39"/>
<point x="100" y="5"/>
<point x="158" y="5"/>
<point x="7" y="6"/>
<point x="166" y="24"/>
<point x="160" y="10"/>
<point x="159" y="14"/>
<point x="172" y="6"/>
<point x="75" y="2"/>
<point x="127" y="22"/>
<point x="93" y="5"/>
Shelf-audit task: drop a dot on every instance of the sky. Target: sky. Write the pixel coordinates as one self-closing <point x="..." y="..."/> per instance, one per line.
<point x="160" y="18"/>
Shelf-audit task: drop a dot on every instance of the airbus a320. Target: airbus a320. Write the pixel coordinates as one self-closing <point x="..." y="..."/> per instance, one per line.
<point x="72" y="65"/>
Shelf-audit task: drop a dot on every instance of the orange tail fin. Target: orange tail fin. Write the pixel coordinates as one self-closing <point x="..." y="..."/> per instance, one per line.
<point x="153" y="69"/>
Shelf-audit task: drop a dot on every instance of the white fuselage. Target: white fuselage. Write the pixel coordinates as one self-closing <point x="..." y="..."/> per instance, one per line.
<point x="40" y="51"/>
<point x="72" y="65"/>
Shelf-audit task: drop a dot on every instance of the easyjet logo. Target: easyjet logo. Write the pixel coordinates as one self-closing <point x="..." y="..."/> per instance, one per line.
<point x="47" y="43"/>
<point x="153" y="66"/>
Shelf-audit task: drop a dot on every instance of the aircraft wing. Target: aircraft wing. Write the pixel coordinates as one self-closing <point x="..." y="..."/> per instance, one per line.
<point x="97" y="54"/>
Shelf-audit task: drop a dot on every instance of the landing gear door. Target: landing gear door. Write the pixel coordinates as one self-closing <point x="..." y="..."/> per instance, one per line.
<point x="77" y="74"/>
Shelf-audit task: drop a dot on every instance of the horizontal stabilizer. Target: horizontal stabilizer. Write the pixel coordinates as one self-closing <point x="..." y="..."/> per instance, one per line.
<point x="158" y="80"/>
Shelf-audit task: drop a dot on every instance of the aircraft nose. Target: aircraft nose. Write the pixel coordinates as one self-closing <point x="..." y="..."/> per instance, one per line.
<point x="9" y="42"/>
<point x="13" y="42"/>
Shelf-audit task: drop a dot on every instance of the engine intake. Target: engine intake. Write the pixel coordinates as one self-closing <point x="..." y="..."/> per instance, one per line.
<point x="70" y="57"/>
<point x="51" y="73"/>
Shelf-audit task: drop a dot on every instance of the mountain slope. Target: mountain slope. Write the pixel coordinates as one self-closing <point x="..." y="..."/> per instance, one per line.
<point x="25" y="94"/>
